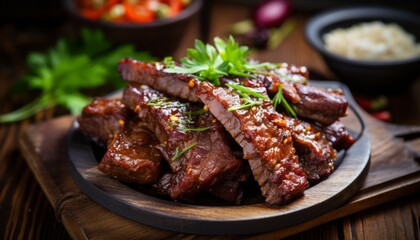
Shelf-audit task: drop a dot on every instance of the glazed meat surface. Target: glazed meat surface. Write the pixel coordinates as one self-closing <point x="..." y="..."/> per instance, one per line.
<point x="316" y="154"/>
<point x="151" y="74"/>
<point x="132" y="156"/>
<point x="102" y="119"/>
<point x="204" y="131"/>
<point x="322" y="105"/>
<point x="337" y="135"/>
<point x="206" y="158"/>
<point x="266" y="143"/>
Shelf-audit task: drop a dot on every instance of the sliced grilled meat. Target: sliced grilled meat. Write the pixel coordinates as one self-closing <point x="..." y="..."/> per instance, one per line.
<point x="322" y="105"/>
<point x="151" y="74"/>
<point x="102" y="119"/>
<point x="316" y="154"/>
<point x="194" y="144"/>
<point x="266" y="143"/>
<point x="132" y="156"/>
<point x="337" y="135"/>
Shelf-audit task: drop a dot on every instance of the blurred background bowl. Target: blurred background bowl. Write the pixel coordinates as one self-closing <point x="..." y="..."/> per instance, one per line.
<point x="160" y="37"/>
<point x="365" y="75"/>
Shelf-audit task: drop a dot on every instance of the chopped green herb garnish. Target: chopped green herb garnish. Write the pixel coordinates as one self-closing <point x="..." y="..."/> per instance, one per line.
<point x="248" y="104"/>
<point x="203" y="62"/>
<point x="164" y="102"/>
<point x="292" y="79"/>
<point x="169" y="62"/>
<point x="247" y="90"/>
<point x="279" y="99"/>
<point x="195" y="129"/>
<point x="178" y="153"/>
<point x="245" y="93"/>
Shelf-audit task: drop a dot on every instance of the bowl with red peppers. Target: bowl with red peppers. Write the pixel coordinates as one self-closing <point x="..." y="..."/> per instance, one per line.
<point x="155" y="26"/>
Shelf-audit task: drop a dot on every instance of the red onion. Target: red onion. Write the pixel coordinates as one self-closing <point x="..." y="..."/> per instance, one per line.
<point x="271" y="13"/>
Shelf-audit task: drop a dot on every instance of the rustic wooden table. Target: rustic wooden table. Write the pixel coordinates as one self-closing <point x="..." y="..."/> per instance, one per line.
<point x="25" y="212"/>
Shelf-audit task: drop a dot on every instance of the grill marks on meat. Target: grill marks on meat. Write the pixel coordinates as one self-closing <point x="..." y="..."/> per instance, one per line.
<point x="131" y="154"/>
<point x="265" y="142"/>
<point x="206" y="164"/>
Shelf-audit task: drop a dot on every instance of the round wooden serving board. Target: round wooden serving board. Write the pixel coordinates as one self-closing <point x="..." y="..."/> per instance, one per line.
<point x="223" y="219"/>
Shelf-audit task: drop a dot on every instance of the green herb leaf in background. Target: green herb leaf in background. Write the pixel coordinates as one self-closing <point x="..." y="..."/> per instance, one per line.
<point x="64" y="71"/>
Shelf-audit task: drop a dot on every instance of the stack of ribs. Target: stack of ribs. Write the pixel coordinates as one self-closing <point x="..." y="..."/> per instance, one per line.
<point x="178" y="121"/>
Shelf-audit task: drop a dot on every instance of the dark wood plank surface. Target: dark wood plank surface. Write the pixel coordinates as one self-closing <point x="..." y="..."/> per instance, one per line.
<point x="25" y="211"/>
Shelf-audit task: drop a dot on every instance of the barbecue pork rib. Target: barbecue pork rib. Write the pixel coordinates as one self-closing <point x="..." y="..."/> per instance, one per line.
<point x="192" y="141"/>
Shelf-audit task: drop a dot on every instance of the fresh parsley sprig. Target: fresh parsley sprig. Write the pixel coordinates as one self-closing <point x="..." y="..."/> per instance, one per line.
<point x="65" y="71"/>
<point x="203" y="62"/>
<point x="209" y="63"/>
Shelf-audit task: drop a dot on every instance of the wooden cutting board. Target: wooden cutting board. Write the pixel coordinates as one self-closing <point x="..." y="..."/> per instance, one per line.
<point x="394" y="172"/>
